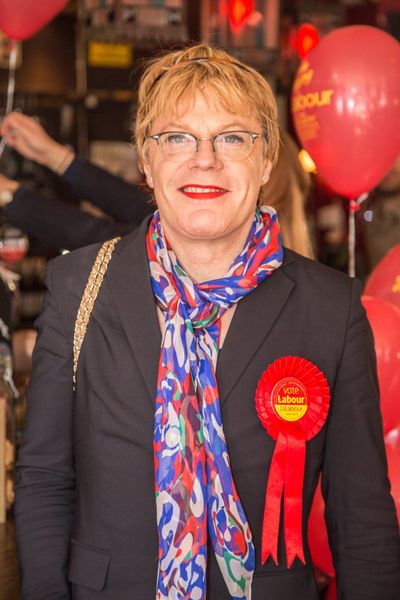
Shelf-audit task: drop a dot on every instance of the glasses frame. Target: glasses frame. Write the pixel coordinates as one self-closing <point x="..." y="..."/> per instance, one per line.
<point x="254" y="137"/>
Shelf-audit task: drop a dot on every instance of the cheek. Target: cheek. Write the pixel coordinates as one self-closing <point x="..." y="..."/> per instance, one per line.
<point x="163" y="185"/>
<point x="167" y="177"/>
<point x="254" y="170"/>
<point x="159" y="178"/>
<point x="253" y="178"/>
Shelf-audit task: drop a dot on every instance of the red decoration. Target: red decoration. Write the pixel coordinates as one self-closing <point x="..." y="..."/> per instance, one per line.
<point x="292" y="402"/>
<point x="392" y="443"/>
<point x="384" y="281"/>
<point x="346" y="107"/>
<point x="318" y="536"/>
<point x="20" y="19"/>
<point x="307" y="38"/>
<point x="385" y="322"/>
<point x="239" y="11"/>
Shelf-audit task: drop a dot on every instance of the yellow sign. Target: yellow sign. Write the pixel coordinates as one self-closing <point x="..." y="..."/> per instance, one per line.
<point x="103" y="54"/>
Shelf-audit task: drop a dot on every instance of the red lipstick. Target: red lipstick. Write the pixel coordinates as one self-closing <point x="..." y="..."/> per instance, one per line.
<point x="202" y="192"/>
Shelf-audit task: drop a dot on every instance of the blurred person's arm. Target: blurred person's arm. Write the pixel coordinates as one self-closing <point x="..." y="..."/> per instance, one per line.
<point x="25" y="135"/>
<point x="119" y="199"/>
<point x="52" y="222"/>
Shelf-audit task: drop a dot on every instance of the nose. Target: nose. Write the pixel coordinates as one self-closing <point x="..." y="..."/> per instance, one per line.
<point x="205" y="156"/>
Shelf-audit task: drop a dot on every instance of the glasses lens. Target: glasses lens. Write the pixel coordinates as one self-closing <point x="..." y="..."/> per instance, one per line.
<point x="230" y="145"/>
<point x="233" y="145"/>
<point x="177" y="145"/>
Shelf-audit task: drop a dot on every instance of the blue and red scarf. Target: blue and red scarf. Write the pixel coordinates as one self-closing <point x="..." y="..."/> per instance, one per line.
<point x="194" y="487"/>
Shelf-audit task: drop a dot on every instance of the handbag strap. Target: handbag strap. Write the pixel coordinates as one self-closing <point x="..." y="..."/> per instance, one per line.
<point x="88" y="299"/>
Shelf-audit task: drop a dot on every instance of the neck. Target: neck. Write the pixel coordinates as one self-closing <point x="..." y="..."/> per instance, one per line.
<point x="205" y="260"/>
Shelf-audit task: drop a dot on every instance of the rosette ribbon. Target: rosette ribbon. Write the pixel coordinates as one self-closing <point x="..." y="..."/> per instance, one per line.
<point x="292" y="402"/>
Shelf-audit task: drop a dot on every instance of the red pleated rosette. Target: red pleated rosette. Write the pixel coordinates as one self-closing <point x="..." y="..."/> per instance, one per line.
<point x="292" y="402"/>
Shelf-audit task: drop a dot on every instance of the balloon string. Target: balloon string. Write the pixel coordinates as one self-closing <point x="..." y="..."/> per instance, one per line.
<point x="352" y="243"/>
<point x="354" y="206"/>
<point x="11" y="76"/>
<point x="10" y="87"/>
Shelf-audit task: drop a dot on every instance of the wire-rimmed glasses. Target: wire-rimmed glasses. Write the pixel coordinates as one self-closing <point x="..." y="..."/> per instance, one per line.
<point x="227" y="145"/>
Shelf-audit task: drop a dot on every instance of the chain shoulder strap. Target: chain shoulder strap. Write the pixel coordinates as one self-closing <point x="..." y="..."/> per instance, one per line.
<point x="88" y="299"/>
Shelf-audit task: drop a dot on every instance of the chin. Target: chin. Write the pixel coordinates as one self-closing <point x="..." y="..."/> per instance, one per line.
<point x="203" y="226"/>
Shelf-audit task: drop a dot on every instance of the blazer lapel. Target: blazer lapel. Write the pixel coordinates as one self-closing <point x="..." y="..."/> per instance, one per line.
<point x="253" y="319"/>
<point x="129" y="279"/>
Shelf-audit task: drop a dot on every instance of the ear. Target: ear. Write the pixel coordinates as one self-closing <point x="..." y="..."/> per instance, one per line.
<point x="266" y="171"/>
<point x="147" y="172"/>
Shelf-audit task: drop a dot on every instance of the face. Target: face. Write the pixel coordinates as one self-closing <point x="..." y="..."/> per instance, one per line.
<point x="203" y="197"/>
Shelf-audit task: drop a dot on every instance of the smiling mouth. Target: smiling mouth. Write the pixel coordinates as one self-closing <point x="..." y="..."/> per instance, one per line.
<point x="202" y="192"/>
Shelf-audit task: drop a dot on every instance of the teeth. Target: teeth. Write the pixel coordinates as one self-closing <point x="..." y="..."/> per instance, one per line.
<point x="202" y="190"/>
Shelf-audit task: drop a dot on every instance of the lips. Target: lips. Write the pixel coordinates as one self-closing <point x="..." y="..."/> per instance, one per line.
<point x="202" y="192"/>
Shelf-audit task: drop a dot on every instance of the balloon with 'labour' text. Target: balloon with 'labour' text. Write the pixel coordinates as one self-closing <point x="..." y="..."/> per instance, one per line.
<point x="346" y="107"/>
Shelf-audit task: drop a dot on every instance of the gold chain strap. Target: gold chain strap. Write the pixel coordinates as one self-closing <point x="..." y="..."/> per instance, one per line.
<point x="89" y="298"/>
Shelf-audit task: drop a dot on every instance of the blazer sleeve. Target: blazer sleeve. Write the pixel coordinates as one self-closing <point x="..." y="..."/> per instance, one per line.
<point x="45" y="481"/>
<point x="58" y="224"/>
<point x="121" y="200"/>
<point x="360" y="512"/>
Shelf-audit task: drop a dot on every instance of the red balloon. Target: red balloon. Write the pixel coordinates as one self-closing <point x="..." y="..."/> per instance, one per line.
<point x="392" y="443"/>
<point x="346" y="107"/>
<point x="318" y="536"/>
<point x="384" y="281"/>
<point x="385" y="322"/>
<point x="19" y="19"/>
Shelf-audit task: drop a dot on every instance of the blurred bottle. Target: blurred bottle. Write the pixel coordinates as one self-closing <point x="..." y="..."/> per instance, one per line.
<point x="14" y="244"/>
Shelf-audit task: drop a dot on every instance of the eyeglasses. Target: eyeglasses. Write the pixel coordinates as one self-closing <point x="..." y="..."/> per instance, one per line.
<point x="228" y="145"/>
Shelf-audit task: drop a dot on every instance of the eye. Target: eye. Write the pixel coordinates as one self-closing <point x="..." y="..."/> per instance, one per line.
<point x="232" y="137"/>
<point x="174" y="139"/>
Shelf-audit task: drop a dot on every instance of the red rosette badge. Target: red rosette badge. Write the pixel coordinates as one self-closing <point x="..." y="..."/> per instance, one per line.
<point x="292" y="402"/>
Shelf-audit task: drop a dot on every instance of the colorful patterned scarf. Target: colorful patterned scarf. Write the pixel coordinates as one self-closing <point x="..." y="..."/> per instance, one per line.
<point x="194" y="487"/>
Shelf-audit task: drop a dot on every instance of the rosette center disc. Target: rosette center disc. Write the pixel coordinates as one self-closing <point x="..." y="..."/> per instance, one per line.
<point x="289" y="399"/>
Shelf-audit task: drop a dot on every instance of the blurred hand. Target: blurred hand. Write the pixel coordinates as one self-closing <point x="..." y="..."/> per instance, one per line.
<point x="28" y="137"/>
<point x="8" y="184"/>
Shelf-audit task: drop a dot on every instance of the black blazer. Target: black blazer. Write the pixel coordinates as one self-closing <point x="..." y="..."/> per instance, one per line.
<point x="85" y="507"/>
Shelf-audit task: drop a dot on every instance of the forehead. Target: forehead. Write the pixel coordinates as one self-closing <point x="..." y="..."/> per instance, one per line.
<point x="204" y="113"/>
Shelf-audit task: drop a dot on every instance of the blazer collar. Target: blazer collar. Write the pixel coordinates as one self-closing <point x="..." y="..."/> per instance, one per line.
<point x="129" y="279"/>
